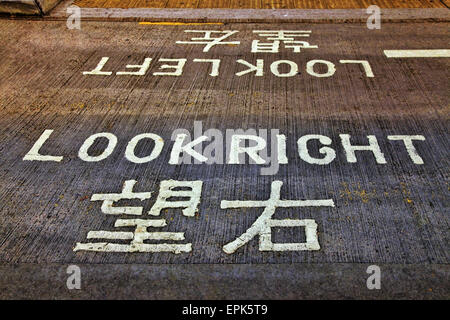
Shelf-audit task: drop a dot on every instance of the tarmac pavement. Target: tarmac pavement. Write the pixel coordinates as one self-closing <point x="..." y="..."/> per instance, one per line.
<point x="75" y="105"/>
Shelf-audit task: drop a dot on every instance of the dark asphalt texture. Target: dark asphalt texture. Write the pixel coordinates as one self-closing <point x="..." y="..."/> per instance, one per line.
<point x="394" y="215"/>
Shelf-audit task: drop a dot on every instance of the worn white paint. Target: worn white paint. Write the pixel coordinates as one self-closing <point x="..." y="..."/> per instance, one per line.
<point x="281" y="149"/>
<point x="215" y="64"/>
<point x="97" y="71"/>
<point x="287" y="37"/>
<point x="298" y="45"/>
<point x="373" y="146"/>
<point x="110" y="235"/>
<point x="208" y="40"/>
<point x="303" y="152"/>
<point x="236" y="149"/>
<point x="178" y="67"/>
<point x="258" y="68"/>
<point x="262" y="226"/>
<point x="141" y="233"/>
<point x="141" y="223"/>
<point x="142" y="69"/>
<point x="119" y="235"/>
<point x="167" y="190"/>
<point x="331" y="68"/>
<point x="365" y="64"/>
<point x="424" y="53"/>
<point x="283" y="35"/>
<point x="83" y="152"/>
<point x="127" y="193"/>
<point x="265" y="47"/>
<point x="139" y="247"/>
<point x="129" y="152"/>
<point x="34" y="155"/>
<point x="138" y="237"/>
<point x="293" y="68"/>
<point x="311" y="244"/>
<point x="408" y="142"/>
<point x="178" y="148"/>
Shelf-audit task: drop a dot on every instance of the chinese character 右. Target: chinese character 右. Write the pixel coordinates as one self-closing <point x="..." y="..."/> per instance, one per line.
<point x="262" y="226"/>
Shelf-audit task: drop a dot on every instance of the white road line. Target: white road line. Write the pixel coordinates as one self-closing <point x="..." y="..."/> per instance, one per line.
<point x="432" y="53"/>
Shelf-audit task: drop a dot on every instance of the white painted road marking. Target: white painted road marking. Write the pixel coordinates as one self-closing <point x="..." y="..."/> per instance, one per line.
<point x="232" y="152"/>
<point x="434" y="53"/>
<point x="264" y="224"/>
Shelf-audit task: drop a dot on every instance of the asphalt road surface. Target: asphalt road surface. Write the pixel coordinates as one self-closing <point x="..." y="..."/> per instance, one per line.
<point x="75" y="103"/>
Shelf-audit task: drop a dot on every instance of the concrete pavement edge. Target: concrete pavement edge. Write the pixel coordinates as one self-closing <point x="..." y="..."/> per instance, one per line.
<point x="224" y="281"/>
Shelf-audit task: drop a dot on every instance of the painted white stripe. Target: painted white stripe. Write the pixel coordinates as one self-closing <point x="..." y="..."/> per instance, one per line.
<point x="225" y="204"/>
<point x="141" y="247"/>
<point x="432" y="53"/>
<point x="118" y="235"/>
